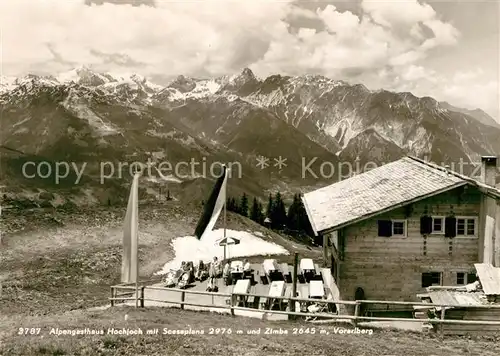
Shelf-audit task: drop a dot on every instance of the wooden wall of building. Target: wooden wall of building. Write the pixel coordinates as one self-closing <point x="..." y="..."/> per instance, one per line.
<point x="471" y="313"/>
<point x="390" y="268"/>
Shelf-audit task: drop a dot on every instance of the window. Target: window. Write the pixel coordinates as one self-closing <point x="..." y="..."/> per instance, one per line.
<point x="466" y="278"/>
<point x="438" y="225"/>
<point x="471" y="277"/>
<point x="399" y="228"/>
<point x="388" y="228"/>
<point x="466" y="226"/>
<point x="431" y="279"/>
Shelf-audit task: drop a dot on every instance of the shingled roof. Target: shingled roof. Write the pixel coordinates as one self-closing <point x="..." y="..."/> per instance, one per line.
<point x="381" y="189"/>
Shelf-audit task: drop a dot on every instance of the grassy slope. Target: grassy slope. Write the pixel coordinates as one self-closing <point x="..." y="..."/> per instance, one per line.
<point x="51" y="271"/>
<point x="381" y="342"/>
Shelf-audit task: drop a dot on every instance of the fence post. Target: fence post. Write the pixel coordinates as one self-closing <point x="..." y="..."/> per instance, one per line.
<point x="356" y="313"/>
<point x="294" y="284"/>
<point x="441" y="324"/>
<point x="112" y="296"/>
<point x="233" y="302"/>
<point x="183" y="299"/>
<point x="142" y="297"/>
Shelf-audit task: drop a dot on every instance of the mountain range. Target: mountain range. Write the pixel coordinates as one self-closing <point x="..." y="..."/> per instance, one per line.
<point x="97" y="121"/>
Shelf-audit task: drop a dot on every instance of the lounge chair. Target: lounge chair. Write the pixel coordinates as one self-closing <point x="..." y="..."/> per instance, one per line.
<point x="172" y="278"/>
<point x="287" y="273"/>
<point x="317" y="291"/>
<point x="242" y="287"/>
<point x="307" y="267"/>
<point x="185" y="279"/>
<point x="277" y="289"/>
<point x="317" y="273"/>
<point x="300" y="276"/>
<point x="263" y="276"/>
<point x="272" y="270"/>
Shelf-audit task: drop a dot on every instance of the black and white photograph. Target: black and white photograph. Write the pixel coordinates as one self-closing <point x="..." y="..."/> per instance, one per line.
<point x="249" y="177"/>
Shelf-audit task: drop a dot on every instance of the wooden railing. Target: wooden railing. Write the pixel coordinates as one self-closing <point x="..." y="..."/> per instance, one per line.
<point x="235" y="299"/>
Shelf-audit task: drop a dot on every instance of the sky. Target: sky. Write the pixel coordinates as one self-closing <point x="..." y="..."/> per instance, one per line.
<point x="448" y="50"/>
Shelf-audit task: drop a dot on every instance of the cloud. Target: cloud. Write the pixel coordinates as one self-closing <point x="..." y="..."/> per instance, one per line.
<point x="215" y="37"/>
<point x="398" y="13"/>
<point x="468" y="89"/>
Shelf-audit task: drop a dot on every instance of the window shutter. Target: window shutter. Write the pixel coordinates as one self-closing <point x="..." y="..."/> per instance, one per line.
<point x="425" y="225"/>
<point x="385" y="228"/>
<point x="450" y="227"/>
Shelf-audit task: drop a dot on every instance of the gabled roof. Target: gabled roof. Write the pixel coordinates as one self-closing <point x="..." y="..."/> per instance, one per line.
<point x="489" y="277"/>
<point x="381" y="189"/>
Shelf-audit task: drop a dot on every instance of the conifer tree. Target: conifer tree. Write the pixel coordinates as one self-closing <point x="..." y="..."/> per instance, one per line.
<point x="232" y="205"/>
<point x="261" y="217"/>
<point x="255" y="211"/>
<point x="269" y="209"/>
<point x="278" y="213"/>
<point x="243" y="207"/>
<point x="303" y="222"/>
<point x="293" y="216"/>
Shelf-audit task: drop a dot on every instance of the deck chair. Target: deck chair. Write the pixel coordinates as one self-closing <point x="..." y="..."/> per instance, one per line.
<point x="242" y="286"/>
<point x="287" y="294"/>
<point x="272" y="270"/>
<point x="262" y="290"/>
<point x="287" y="274"/>
<point x="262" y="276"/>
<point x="307" y="267"/>
<point x="317" y="273"/>
<point x="253" y="301"/>
<point x="303" y="292"/>
<point x="316" y="291"/>
<point x="300" y="276"/>
<point x="277" y="289"/>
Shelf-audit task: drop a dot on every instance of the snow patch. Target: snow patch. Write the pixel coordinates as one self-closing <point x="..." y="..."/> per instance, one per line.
<point x="344" y="127"/>
<point x="72" y="103"/>
<point x="21" y="122"/>
<point x="163" y="178"/>
<point x="189" y="248"/>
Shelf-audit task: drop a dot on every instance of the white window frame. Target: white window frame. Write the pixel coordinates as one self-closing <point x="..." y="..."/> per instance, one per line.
<point x="467" y="274"/>
<point x="405" y="224"/>
<point x="465" y="278"/>
<point x="442" y="225"/>
<point x="476" y="227"/>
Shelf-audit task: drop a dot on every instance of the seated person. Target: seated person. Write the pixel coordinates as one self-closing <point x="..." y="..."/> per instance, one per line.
<point x="201" y="268"/>
<point x="313" y="308"/>
<point x="247" y="269"/>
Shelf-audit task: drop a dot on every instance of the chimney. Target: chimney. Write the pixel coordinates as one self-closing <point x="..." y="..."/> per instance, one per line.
<point x="489" y="170"/>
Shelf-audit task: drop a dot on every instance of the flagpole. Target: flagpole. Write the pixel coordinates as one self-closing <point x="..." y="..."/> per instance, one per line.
<point x="225" y="203"/>
<point x="136" y="193"/>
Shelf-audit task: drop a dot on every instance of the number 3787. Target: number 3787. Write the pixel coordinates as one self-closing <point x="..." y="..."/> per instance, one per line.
<point x="28" y="331"/>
